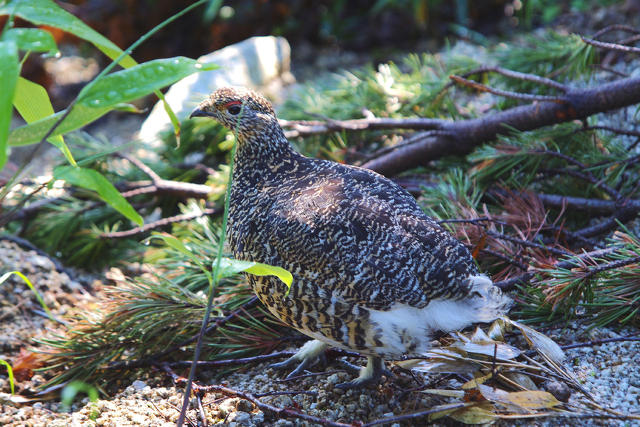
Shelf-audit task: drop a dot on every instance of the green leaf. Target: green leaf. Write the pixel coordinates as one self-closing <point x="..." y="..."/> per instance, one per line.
<point x="10" y="374"/>
<point x="109" y="93"/>
<point x="176" y="244"/>
<point x="172" y="116"/>
<point x="135" y="82"/>
<point x="30" y="285"/>
<point x="33" y="132"/>
<point x="230" y="266"/>
<point x="46" y="12"/>
<point x="9" y="71"/>
<point x="92" y="180"/>
<point x="32" y="39"/>
<point x="33" y="103"/>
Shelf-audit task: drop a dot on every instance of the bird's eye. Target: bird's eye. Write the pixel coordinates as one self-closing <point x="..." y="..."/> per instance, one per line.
<point x="234" y="110"/>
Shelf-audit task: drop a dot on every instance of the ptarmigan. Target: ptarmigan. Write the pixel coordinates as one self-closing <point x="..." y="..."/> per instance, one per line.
<point x="372" y="273"/>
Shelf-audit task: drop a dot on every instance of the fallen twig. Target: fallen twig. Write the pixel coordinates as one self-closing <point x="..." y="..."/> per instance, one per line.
<point x="264" y="407"/>
<point x="631" y="337"/>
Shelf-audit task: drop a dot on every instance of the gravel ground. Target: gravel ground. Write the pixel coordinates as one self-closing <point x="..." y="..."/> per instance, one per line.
<point x="610" y="372"/>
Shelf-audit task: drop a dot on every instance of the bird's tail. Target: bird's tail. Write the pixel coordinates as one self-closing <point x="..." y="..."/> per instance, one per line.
<point x="487" y="301"/>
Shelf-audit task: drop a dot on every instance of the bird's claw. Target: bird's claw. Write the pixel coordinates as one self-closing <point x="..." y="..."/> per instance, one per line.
<point x="367" y="376"/>
<point x="307" y="356"/>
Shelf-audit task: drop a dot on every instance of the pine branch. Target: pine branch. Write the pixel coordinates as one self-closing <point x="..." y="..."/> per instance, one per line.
<point x="467" y="134"/>
<point x="524" y="278"/>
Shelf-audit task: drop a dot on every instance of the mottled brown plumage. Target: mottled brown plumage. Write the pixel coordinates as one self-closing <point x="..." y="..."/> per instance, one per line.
<point x="372" y="273"/>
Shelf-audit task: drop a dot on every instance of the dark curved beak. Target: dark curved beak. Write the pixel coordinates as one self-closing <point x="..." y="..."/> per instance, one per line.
<point x="197" y="112"/>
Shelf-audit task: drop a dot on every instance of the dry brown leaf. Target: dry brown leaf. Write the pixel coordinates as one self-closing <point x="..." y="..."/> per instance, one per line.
<point x="496" y="331"/>
<point x="26" y="363"/>
<point x="534" y="399"/>
<point x="521" y="379"/>
<point x="477" y="381"/>
<point x="446" y="409"/>
<point x="497" y="395"/>
<point x="490" y="348"/>
<point x="520" y="401"/>
<point x="539" y="342"/>
<point x="482" y="413"/>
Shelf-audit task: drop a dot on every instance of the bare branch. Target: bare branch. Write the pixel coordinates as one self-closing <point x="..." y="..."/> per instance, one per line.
<point x="316" y="127"/>
<point x="519" y="76"/>
<point x="615" y="27"/>
<point x="611" y="46"/>
<point x="596" y="206"/>
<point x="156" y="224"/>
<point x="505" y="93"/>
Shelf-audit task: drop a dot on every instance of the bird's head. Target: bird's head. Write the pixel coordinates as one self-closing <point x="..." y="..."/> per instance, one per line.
<point x="241" y="110"/>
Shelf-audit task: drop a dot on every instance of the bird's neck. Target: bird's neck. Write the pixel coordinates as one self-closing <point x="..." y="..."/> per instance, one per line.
<point x="263" y="151"/>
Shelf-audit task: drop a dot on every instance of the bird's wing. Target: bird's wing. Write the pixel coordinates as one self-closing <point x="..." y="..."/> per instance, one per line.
<point x="366" y="240"/>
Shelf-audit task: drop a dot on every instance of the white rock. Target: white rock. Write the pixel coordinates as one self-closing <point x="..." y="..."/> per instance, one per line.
<point x="254" y="63"/>
<point x="138" y="385"/>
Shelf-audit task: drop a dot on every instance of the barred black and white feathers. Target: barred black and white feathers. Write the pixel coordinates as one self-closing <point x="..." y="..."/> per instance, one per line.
<point x="372" y="273"/>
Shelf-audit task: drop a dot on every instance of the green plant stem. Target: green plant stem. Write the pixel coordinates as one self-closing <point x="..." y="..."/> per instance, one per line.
<point x="212" y="283"/>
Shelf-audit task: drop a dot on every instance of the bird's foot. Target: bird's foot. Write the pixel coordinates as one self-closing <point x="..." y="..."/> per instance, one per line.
<point x="369" y="375"/>
<point x="307" y="356"/>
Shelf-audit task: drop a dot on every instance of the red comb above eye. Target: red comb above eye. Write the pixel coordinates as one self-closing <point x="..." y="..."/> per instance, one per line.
<point x="230" y="103"/>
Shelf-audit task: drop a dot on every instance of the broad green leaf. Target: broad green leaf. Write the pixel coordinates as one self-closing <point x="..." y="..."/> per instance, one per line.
<point x="109" y="93"/>
<point x="230" y="266"/>
<point x="10" y="374"/>
<point x="92" y="180"/>
<point x="46" y="12"/>
<point x="32" y="39"/>
<point x="260" y="269"/>
<point x="33" y="132"/>
<point x="9" y="71"/>
<point x="135" y="82"/>
<point x="33" y="103"/>
<point x="30" y="285"/>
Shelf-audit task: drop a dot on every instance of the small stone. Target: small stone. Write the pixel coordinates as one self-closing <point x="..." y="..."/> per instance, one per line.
<point x="333" y="379"/>
<point x="258" y="418"/>
<point x="244" y="405"/>
<point x="559" y="390"/>
<point x="243" y="418"/>
<point x="139" y="385"/>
